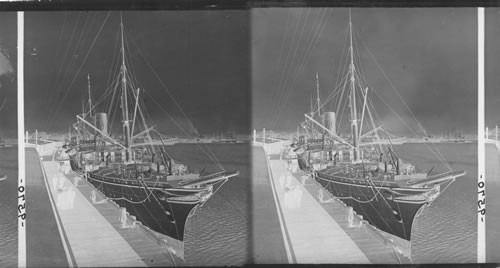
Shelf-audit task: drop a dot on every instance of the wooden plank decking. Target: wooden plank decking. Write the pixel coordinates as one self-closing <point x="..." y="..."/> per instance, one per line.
<point x="44" y="244"/>
<point x="95" y="235"/>
<point x="375" y="248"/>
<point x="314" y="235"/>
<point x="267" y="238"/>
<point x="147" y="245"/>
<point x="91" y="237"/>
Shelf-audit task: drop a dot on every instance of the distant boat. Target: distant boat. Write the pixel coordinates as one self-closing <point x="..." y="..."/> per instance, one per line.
<point x="135" y="170"/>
<point x="361" y="168"/>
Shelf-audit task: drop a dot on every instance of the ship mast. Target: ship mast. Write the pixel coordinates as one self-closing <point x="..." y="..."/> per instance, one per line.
<point x="354" y="116"/>
<point x="124" y="104"/>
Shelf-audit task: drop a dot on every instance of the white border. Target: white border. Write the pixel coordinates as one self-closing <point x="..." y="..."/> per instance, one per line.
<point x="21" y="224"/>
<point x="481" y="246"/>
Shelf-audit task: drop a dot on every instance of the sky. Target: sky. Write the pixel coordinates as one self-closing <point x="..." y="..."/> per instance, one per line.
<point x="492" y="70"/>
<point x="429" y="56"/>
<point x="8" y="79"/>
<point x="223" y="77"/>
<point x="202" y="58"/>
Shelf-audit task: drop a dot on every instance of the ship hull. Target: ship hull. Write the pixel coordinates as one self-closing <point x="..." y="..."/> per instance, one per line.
<point x="159" y="206"/>
<point x="375" y="205"/>
<point x="168" y="218"/>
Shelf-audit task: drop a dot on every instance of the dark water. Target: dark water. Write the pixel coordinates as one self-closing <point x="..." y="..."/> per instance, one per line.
<point x="446" y="231"/>
<point x="8" y="206"/>
<point x="218" y="233"/>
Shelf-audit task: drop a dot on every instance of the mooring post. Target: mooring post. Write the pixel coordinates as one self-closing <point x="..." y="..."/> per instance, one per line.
<point x="288" y="182"/>
<point x="264" y="139"/>
<point x="60" y="181"/>
<point x="76" y="179"/>
<point x="350" y="217"/>
<point x="320" y="196"/>
<point x="123" y="217"/>
<point x="93" y="196"/>
<point x="304" y="179"/>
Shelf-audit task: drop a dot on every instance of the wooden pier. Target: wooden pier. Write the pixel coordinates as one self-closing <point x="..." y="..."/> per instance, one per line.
<point x="318" y="231"/>
<point x="44" y="243"/>
<point x="94" y="231"/>
<point x="266" y="225"/>
<point x="492" y="200"/>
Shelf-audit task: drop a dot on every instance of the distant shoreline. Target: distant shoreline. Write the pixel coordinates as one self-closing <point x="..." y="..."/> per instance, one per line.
<point x="10" y="141"/>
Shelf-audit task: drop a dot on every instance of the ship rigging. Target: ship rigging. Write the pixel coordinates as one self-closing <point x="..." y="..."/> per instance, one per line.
<point x="362" y="168"/>
<point x="135" y="169"/>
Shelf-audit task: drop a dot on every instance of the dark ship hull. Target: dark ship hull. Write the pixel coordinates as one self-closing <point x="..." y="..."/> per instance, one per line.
<point x="378" y="209"/>
<point x="382" y="201"/>
<point x="151" y="206"/>
<point x="158" y="205"/>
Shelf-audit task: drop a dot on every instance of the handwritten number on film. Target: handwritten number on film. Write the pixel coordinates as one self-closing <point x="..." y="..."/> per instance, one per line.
<point x="21" y="208"/>
<point x="482" y="200"/>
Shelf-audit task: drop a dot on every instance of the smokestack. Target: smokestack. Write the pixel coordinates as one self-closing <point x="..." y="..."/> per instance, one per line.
<point x="329" y="119"/>
<point x="101" y="122"/>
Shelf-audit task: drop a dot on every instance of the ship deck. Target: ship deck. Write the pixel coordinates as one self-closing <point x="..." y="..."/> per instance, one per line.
<point x="383" y="179"/>
<point x="81" y="232"/>
<point x="319" y="232"/>
<point x="152" y="178"/>
<point x="358" y="173"/>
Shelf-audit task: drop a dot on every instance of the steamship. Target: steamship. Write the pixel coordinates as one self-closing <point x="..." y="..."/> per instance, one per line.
<point x="132" y="169"/>
<point x="361" y="168"/>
